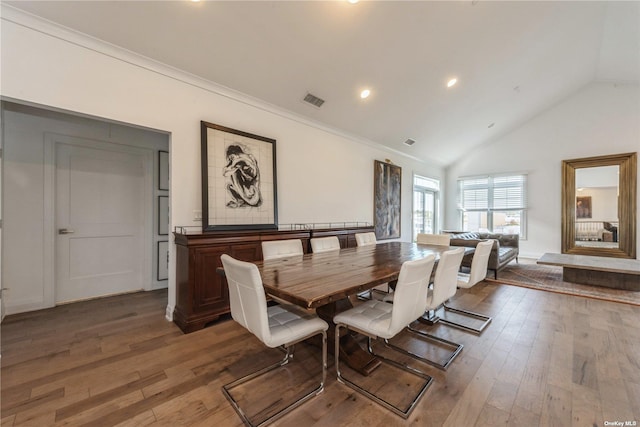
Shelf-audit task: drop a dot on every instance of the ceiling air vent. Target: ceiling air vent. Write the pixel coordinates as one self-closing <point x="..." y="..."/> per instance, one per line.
<point x="313" y="100"/>
<point x="410" y="142"/>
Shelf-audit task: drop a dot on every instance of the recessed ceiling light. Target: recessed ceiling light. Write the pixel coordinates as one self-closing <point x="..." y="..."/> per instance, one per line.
<point x="452" y="82"/>
<point x="353" y="1"/>
<point x="365" y="93"/>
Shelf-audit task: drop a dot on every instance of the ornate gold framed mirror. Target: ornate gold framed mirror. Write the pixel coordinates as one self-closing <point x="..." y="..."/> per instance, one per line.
<point x="599" y="205"/>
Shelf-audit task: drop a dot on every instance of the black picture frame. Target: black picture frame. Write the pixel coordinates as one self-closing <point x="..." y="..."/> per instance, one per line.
<point x="239" y="190"/>
<point x="163" y="170"/>
<point x="387" y="198"/>
<point x="163" y="215"/>
<point x="162" y="269"/>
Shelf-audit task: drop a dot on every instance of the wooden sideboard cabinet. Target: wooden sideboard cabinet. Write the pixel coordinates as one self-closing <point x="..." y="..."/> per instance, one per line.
<point x="346" y="236"/>
<point x="202" y="295"/>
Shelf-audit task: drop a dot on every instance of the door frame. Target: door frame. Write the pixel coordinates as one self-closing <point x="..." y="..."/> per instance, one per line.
<point x="436" y="204"/>
<point x="49" y="226"/>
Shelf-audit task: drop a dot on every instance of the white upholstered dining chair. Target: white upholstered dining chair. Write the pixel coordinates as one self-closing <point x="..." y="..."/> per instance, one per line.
<point x="369" y="239"/>
<point x="444" y="287"/>
<point x="325" y="244"/>
<point x="378" y="319"/>
<point x="366" y="239"/>
<point x="433" y="239"/>
<point x="477" y="274"/>
<point x="275" y="249"/>
<point x="275" y="326"/>
<point x="479" y="265"/>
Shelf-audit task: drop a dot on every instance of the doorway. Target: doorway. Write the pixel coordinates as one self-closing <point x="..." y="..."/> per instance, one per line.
<point x="80" y="208"/>
<point x="425" y="205"/>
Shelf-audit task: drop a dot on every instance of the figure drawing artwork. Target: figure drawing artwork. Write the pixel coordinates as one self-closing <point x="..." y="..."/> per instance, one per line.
<point x="243" y="177"/>
<point x="239" y="180"/>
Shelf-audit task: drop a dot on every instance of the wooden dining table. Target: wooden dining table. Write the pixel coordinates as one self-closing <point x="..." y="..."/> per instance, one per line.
<point x="324" y="281"/>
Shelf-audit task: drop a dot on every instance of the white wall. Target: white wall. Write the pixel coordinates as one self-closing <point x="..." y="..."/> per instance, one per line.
<point x="604" y="203"/>
<point x="601" y="118"/>
<point x="322" y="175"/>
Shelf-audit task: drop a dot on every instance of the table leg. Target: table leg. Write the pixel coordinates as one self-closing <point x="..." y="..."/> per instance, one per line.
<point x="351" y="352"/>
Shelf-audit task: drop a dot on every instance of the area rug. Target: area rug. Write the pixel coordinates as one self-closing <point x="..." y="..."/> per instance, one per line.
<point x="549" y="278"/>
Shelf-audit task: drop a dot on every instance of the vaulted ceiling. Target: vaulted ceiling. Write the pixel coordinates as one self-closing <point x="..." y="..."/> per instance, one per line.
<point x="512" y="60"/>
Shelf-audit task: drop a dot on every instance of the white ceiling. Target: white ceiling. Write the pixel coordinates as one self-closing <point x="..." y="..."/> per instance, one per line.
<point x="512" y="59"/>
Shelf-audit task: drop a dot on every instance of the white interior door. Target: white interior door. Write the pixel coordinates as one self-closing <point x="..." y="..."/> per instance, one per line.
<point x="100" y="220"/>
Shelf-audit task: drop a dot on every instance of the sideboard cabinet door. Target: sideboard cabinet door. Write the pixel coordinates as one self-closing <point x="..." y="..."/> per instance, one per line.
<point x="210" y="293"/>
<point x="246" y="251"/>
<point x="202" y="295"/>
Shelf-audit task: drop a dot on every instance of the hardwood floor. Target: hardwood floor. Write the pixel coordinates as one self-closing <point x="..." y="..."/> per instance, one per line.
<point x="546" y="359"/>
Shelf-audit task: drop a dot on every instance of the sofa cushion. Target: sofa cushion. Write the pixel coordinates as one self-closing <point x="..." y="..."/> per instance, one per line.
<point x="506" y="254"/>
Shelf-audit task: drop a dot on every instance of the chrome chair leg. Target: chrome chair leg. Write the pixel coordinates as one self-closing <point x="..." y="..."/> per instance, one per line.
<point x="226" y="389"/>
<point x="444" y="364"/>
<point x="368" y="294"/>
<point x="429" y="318"/>
<point x="404" y="413"/>
<point x="486" y="320"/>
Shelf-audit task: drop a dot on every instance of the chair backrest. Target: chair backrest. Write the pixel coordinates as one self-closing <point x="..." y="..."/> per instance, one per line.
<point x="325" y="244"/>
<point x="281" y="248"/>
<point x="366" y="239"/>
<point x="246" y="296"/>
<point x="479" y="263"/>
<point x="445" y="282"/>
<point x="433" y="239"/>
<point x="410" y="295"/>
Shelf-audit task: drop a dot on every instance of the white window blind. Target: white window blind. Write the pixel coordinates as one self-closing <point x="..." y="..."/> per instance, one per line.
<point x="493" y="193"/>
<point x="509" y="192"/>
<point x="474" y="193"/>
<point x="475" y="199"/>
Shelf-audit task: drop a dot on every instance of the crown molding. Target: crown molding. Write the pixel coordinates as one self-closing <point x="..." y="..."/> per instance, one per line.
<point x="33" y="22"/>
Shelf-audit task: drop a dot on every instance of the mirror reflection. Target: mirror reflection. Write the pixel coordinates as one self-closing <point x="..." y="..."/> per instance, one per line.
<point x="596" y="212"/>
<point x="599" y="205"/>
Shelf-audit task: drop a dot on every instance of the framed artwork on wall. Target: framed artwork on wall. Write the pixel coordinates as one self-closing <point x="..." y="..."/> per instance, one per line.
<point x="387" y="186"/>
<point x="238" y="180"/>
<point x="583" y="207"/>
<point x="163" y="215"/>
<point x="163" y="261"/>
<point x="163" y="170"/>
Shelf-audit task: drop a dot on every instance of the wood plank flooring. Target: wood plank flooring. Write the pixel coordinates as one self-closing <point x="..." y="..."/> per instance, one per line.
<point x="547" y="359"/>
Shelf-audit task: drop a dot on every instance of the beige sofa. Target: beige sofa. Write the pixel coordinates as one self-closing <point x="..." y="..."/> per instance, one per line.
<point x="505" y="248"/>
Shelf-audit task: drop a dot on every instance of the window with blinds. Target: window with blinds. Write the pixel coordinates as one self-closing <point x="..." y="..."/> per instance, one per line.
<point x="496" y="203"/>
